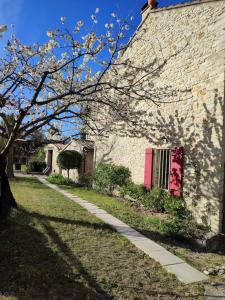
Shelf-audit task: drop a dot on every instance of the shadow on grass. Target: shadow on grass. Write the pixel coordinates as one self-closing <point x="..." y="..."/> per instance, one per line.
<point x="30" y="269"/>
<point x="164" y="239"/>
<point x="44" y="218"/>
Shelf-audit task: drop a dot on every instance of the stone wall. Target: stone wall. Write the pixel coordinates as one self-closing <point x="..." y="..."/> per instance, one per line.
<point x="187" y="45"/>
<point x="77" y="146"/>
<point x="55" y="153"/>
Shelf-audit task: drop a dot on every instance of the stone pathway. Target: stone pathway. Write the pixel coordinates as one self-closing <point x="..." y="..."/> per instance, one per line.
<point x="169" y="261"/>
<point x="214" y="292"/>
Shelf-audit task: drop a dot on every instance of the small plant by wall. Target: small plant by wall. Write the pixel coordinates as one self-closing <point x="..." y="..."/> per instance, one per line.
<point x="179" y="221"/>
<point x="59" y="179"/>
<point x="87" y="179"/>
<point x="134" y="191"/>
<point x="108" y="177"/>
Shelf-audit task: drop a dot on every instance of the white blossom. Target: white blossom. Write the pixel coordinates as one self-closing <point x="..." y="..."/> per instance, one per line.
<point x="93" y="17"/>
<point x="80" y="23"/>
<point x="108" y="34"/>
<point x="109" y="25"/>
<point x="51" y="44"/>
<point x="50" y="33"/>
<point x="63" y="19"/>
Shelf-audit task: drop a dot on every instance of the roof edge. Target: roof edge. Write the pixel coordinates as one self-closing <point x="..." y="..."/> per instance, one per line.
<point x="179" y="5"/>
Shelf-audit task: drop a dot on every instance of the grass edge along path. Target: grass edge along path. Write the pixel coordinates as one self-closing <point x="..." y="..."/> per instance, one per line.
<point x="150" y="227"/>
<point x="169" y="261"/>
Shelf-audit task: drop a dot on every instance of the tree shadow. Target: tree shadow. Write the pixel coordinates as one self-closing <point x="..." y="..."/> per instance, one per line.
<point x="44" y="218"/>
<point x="156" y="236"/>
<point x="201" y="134"/>
<point x="30" y="269"/>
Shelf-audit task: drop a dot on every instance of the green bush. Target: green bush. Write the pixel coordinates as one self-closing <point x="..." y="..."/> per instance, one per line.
<point x="36" y="166"/>
<point x="102" y="177"/>
<point x="180" y="222"/>
<point x="181" y="227"/>
<point x="110" y="176"/>
<point x="87" y="179"/>
<point x="175" y="206"/>
<point x="59" y="179"/>
<point x="135" y="191"/>
<point x="69" y="159"/>
<point x="155" y="199"/>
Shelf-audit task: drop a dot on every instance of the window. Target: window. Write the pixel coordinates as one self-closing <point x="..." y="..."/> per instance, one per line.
<point x="161" y="168"/>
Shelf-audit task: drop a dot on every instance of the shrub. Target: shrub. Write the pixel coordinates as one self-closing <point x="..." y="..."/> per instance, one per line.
<point x="180" y="222"/>
<point x="110" y="176"/>
<point x="181" y="227"/>
<point x="102" y="177"/>
<point x="69" y="159"/>
<point x="155" y="199"/>
<point x="59" y="179"/>
<point x="172" y="226"/>
<point x="87" y="179"/>
<point x="135" y="191"/>
<point x="175" y="206"/>
<point x="36" y="166"/>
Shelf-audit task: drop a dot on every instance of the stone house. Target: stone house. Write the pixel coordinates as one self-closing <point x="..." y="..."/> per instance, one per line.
<point x="84" y="147"/>
<point x="182" y="147"/>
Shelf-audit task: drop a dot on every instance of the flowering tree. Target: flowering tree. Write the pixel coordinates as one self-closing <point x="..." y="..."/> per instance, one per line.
<point x="65" y="83"/>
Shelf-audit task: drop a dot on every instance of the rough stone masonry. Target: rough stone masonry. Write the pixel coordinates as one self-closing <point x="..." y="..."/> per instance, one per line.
<point x="190" y="90"/>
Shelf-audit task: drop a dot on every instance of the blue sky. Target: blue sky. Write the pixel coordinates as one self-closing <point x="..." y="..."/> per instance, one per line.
<point x="32" y="18"/>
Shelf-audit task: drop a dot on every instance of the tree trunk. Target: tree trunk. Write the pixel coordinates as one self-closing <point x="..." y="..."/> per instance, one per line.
<point x="9" y="169"/>
<point x="68" y="173"/>
<point x="7" y="200"/>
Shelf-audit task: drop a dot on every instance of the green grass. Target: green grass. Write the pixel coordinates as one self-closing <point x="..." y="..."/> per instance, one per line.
<point x="51" y="248"/>
<point x="150" y="226"/>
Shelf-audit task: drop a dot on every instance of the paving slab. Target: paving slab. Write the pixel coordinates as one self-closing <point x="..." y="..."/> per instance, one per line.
<point x="169" y="261"/>
<point x="186" y="273"/>
<point x="214" y="292"/>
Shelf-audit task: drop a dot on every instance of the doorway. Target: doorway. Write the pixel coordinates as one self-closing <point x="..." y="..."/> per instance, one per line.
<point x="49" y="159"/>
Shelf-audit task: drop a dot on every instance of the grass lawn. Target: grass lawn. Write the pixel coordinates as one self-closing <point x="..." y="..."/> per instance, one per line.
<point x="150" y="226"/>
<point x="51" y="248"/>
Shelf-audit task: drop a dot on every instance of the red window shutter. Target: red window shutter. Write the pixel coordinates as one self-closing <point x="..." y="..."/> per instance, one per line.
<point x="176" y="171"/>
<point x="148" y="168"/>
